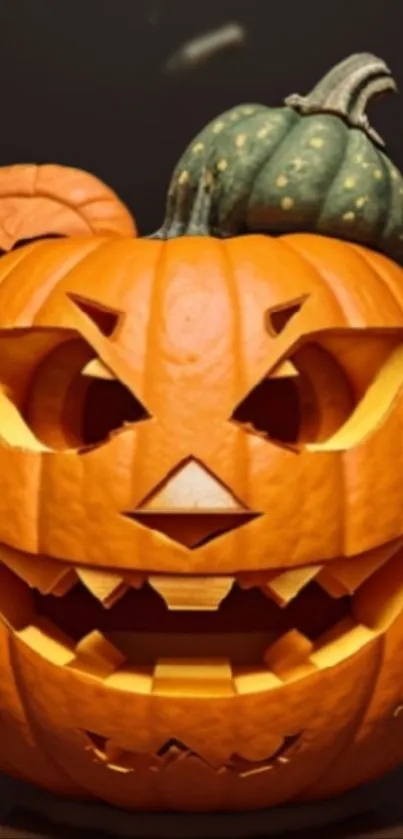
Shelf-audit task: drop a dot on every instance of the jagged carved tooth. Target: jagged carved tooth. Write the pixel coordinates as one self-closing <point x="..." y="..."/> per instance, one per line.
<point x="96" y="655"/>
<point x="192" y="593"/>
<point x="344" y="639"/>
<point x="347" y="575"/>
<point x="47" y="575"/>
<point x="193" y="677"/>
<point x="179" y="770"/>
<point x="48" y="641"/>
<point x="63" y="585"/>
<point x="284" y="587"/>
<point x="106" y="586"/>
<point x="132" y="679"/>
<point x="173" y="754"/>
<point x="288" y="653"/>
<point x="285" y="370"/>
<point x="255" y="680"/>
<point x="96" y="369"/>
<point x="378" y="603"/>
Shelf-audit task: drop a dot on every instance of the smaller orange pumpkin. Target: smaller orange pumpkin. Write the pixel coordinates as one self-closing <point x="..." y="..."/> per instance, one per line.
<point x="51" y="200"/>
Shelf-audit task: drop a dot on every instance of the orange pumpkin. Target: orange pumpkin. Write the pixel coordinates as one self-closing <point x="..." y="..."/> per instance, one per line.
<point x="49" y="200"/>
<point x="201" y="512"/>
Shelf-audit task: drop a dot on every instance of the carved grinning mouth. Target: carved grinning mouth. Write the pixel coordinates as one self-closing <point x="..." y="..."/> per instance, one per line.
<point x="107" y="753"/>
<point x="201" y="635"/>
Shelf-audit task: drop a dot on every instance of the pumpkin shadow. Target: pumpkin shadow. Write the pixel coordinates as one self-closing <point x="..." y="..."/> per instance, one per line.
<point x="374" y="811"/>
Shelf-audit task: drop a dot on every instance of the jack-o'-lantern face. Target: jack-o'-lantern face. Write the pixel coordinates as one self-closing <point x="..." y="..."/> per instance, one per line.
<point x="201" y="517"/>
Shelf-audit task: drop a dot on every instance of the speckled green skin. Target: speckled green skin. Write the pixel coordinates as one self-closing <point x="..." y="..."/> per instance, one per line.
<point x="275" y="170"/>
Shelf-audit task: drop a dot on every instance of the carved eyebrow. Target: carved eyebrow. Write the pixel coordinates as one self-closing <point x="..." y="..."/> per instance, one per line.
<point x="278" y="317"/>
<point x="104" y="318"/>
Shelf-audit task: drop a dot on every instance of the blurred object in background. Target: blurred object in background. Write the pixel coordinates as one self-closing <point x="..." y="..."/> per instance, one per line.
<point x="201" y="49"/>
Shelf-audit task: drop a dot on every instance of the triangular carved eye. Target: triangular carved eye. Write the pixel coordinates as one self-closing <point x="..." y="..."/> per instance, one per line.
<point x="273" y="409"/>
<point x="105" y="319"/>
<point x="278" y="317"/>
<point x="304" y="399"/>
<point x="67" y="406"/>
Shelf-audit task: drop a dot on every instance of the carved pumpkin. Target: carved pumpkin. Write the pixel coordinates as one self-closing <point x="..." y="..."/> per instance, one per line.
<point x="201" y="512"/>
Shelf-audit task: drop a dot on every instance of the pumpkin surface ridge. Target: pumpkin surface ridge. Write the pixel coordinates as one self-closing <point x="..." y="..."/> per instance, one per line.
<point x="56" y="279"/>
<point x="15" y="257"/>
<point x="243" y="466"/>
<point x="106" y="195"/>
<point x="257" y="171"/>
<point x="282" y="147"/>
<point x="151" y="353"/>
<point x="359" y="718"/>
<point x="63" y="783"/>
<point x="7" y="276"/>
<point x="76" y="209"/>
<point x="32" y="723"/>
<point x="379" y="279"/>
<point x="386" y="168"/>
<point x="292" y="243"/>
<point x="376" y="262"/>
<point x="340" y="293"/>
<point x="157" y="301"/>
<point x="233" y="294"/>
<point x="69" y="201"/>
<point x="340" y="163"/>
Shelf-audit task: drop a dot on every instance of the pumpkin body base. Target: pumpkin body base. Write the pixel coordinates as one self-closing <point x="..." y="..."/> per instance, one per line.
<point x="377" y="802"/>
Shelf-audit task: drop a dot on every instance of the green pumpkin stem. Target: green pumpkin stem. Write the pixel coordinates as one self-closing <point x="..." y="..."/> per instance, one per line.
<point x="346" y="91"/>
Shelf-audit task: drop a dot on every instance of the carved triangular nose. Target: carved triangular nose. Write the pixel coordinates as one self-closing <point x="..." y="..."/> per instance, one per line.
<point x="192" y="506"/>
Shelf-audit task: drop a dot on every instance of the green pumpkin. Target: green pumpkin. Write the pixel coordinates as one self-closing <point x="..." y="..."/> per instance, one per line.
<point x="314" y="164"/>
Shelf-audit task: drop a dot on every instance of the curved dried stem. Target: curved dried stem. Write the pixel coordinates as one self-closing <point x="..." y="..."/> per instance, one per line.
<point x="347" y="90"/>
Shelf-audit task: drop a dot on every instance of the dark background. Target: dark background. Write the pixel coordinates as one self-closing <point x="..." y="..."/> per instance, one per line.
<point x="83" y="81"/>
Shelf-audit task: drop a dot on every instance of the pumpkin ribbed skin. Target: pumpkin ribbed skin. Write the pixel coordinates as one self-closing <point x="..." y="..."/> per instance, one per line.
<point x="276" y="169"/>
<point x="193" y="340"/>
<point x="48" y="200"/>
<point x="315" y="164"/>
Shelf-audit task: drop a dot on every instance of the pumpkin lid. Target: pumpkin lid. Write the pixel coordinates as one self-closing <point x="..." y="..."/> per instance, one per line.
<point x="313" y="164"/>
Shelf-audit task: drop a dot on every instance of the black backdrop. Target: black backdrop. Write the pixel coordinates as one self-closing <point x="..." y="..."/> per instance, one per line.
<point x="83" y="81"/>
